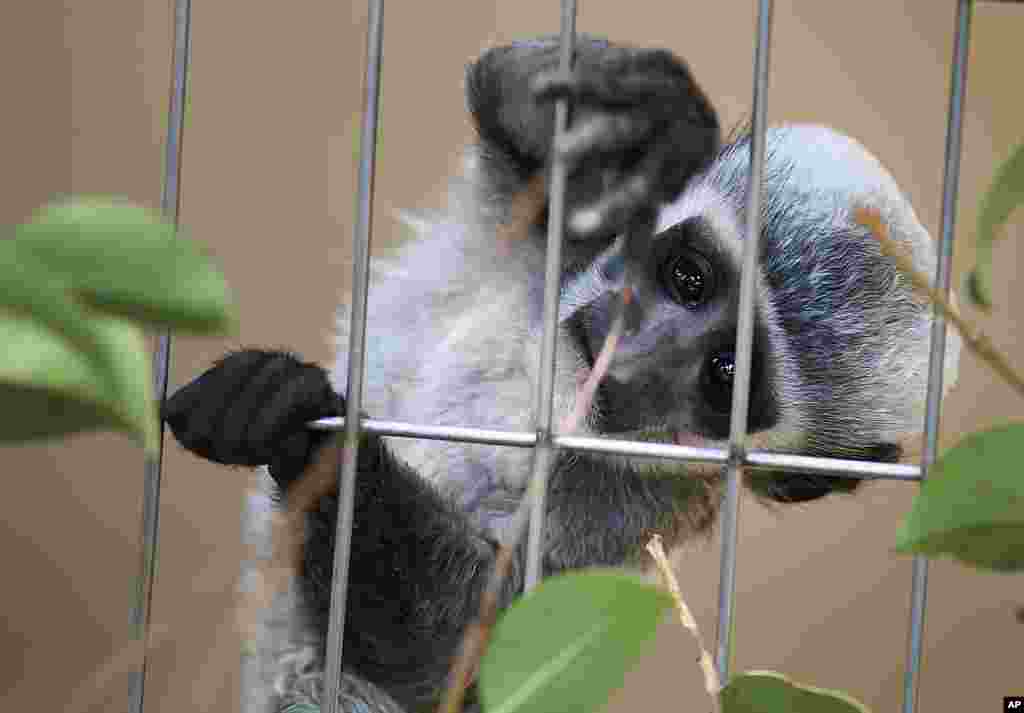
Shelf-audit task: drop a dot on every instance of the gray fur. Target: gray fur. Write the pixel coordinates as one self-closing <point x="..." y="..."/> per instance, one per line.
<point x="454" y="319"/>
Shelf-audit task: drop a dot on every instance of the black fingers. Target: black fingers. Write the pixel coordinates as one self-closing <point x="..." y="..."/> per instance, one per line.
<point x="251" y="409"/>
<point x="516" y="129"/>
<point x="641" y="113"/>
<point x="613" y="208"/>
<point x="660" y="174"/>
<point x="640" y="125"/>
<point x="602" y="133"/>
<point x="623" y="78"/>
<point x="687" y="151"/>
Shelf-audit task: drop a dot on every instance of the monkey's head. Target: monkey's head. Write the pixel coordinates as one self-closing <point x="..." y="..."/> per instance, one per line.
<point x="840" y="345"/>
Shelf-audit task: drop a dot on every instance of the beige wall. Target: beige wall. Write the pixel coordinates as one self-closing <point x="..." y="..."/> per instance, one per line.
<point x="268" y="185"/>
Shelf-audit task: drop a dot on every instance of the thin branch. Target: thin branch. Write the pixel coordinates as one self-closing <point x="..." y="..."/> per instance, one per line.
<point x="712" y="683"/>
<point x="585" y="396"/>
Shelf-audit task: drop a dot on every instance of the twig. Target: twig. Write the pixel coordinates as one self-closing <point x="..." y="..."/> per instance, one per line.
<point x="976" y="340"/>
<point x="712" y="684"/>
<point x="585" y="396"/>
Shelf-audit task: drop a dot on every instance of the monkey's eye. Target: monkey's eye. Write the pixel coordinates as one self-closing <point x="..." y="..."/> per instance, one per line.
<point x="719" y="373"/>
<point x="689" y="278"/>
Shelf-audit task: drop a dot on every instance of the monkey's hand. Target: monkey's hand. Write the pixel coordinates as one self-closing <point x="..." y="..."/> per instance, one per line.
<point x="251" y="408"/>
<point x="418" y="566"/>
<point x="640" y="125"/>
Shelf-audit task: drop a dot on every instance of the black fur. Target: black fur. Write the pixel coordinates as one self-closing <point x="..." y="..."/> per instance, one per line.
<point x="662" y="129"/>
<point x="417" y="567"/>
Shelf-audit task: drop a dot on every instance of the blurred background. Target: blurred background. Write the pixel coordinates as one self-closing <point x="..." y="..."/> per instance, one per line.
<point x="269" y="169"/>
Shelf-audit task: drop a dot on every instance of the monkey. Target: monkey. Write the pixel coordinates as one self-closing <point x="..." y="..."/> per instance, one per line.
<point x="839" y="360"/>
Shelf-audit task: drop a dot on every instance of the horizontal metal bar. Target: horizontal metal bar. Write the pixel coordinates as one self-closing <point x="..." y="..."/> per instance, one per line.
<point x="594" y="444"/>
<point x="521" y="439"/>
<point x="867" y="470"/>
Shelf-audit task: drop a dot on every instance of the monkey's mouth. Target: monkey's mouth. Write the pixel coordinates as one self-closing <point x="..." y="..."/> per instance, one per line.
<point x="664" y="434"/>
<point x="641" y="408"/>
<point x="691" y="439"/>
<point x="611" y="417"/>
<point x="647" y="409"/>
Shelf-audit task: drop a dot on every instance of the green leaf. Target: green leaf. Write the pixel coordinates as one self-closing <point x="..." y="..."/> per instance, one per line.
<point x="64" y="368"/>
<point x="49" y="387"/>
<point x="1005" y="194"/>
<point x="771" y="692"/>
<point x="124" y="260"/>
<point x="972" y="504"/>
<point x="566" y="645"/>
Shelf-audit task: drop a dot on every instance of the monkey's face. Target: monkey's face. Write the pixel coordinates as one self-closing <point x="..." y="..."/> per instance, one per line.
<point x="671" y="378"/>
<point x="840" y="347"/>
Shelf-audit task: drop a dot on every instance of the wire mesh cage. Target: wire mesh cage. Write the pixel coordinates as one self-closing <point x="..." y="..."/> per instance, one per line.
<point x="545" y="440"/>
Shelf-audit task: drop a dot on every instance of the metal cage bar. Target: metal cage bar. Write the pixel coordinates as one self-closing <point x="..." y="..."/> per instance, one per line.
<point x="868" y="470"/>
<point x="950" y="185"/>
<point x="544" y="449"/>
<point x="543" y="441"/>
<point x="170" y="203"/>
<point x="744" y="346"/>
<point x="357" y="354"/>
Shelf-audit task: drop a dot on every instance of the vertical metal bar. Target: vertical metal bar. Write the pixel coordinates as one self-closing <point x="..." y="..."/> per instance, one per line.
<point x="950" y="185"/>
<point x="169" y="205"/>
<point x="544" y="451"/>
<point x="744" y="340"/>
<point x="357" y="354"/>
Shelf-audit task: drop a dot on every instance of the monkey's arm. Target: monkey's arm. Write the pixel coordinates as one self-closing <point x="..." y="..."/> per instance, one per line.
<point x="417" y="566"/>
<point x="641" y="126"/>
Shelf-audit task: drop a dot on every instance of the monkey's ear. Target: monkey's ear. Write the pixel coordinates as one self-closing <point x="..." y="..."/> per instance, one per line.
<point x="802" y="487"/>
<point x="797" y="487"/>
